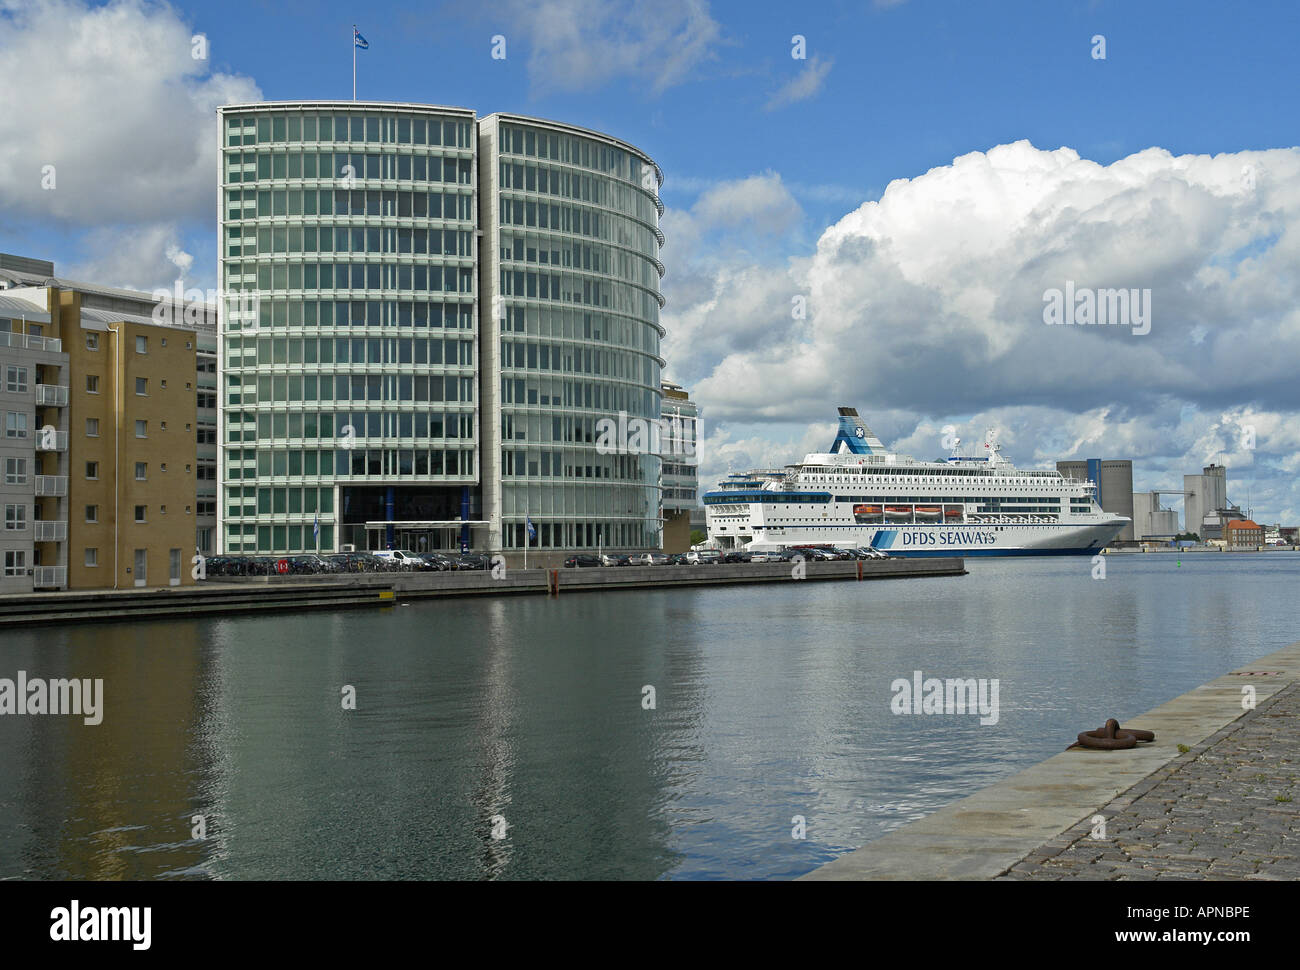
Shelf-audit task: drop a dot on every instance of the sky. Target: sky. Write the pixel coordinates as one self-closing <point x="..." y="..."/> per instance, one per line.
<point x="868" y="203"/>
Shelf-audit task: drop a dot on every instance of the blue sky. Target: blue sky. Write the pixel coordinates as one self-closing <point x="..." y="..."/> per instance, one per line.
<point x="776" y="174"/>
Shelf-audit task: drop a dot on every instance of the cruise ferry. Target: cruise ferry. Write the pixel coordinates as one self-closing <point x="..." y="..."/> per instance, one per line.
<point x="861" y="494"/>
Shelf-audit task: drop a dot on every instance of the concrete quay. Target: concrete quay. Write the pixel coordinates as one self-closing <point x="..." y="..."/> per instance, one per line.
<point x="250" y="594"/>
<point x="1222" y="809"/>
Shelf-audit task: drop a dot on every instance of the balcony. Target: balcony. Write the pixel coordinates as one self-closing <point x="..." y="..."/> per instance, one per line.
<point x="51" y="531"/>
<point x="49" y="577"/>
<point x="51" y="486"/>
<point x="47" y="439"/>
<point x="52" y="344"/>
<point x="51" y="395"/>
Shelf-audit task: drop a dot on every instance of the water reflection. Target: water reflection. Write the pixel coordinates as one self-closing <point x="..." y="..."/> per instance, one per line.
<point x="770" y="703"/>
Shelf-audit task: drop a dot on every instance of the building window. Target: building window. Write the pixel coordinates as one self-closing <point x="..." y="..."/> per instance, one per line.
<point x="142" y="386"/>
<point x="163" y="425"/>
<point x="92" y="470"/>
<point x="162" y="510"/>
<point x="92" y="341"/>
<point x="142" y="429"/>
<point x="15" y="563"/>
<point x="92" y="427"/>
<point x="164" y="341"/>
<point x="15" y="425"/>
<point x="164" y="384"/>
<point x="142" y="345"/>
<point x="92" y="383"/>
<point x="141" y="469"/>
<point x="15" y="471"/>
<point x="139" y="513"/>
<point x="16" y="379"/>
<point x="92" y="557"/>
<point x="92" y="513"/>
<point x="15" y="518"/>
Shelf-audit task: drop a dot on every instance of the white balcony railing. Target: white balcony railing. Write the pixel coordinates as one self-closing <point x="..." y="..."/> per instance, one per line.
<point x="49" y="577"/>
<point x="51" y="531"/>
<point x="49" y="440"/>
<point x="52" y="344"/>
<point x="51" y="486"/>
<point x="51" y="395"/>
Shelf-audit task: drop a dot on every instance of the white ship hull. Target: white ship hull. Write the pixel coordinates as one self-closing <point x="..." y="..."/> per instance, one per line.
<point x="1049" y="539"/>
<point x="861" y="495"/>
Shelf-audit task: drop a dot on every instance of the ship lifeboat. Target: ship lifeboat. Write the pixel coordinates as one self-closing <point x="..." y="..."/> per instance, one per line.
<point x="866" y="510"/>
<point x="898" y="511"/>
<point x="951" y="513"/>
<point x="928" y="511"/>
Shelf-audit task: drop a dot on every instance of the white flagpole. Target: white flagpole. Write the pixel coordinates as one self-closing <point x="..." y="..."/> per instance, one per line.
<point x="354" y="62"/>
<point x="526" y="542"/>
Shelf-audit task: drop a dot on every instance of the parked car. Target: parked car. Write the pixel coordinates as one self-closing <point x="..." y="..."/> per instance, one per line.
<point x="437" y="562"/>
<point x="581" y="561"/>
<point x="703" y="557"/>
<point x="347" y="562"/>
<point x="678" y="559"/>
<point x="649" y="559"/>
<point x="473" y="560"/>
<point x="769" y="556"/>
<point x="815" y="554"/>
<point x="614" y="559"/>
<point x="735" y="555"/>
<point x="402" y="558"/>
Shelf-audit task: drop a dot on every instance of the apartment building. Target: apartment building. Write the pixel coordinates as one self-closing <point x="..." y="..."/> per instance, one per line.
<point x="111" y="440"/>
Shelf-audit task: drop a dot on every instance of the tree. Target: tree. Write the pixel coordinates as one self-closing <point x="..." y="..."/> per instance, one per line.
<point x="697" y="536"/>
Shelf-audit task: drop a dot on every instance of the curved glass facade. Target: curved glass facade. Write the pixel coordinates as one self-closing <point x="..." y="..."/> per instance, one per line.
<point x="349" y="362"/>
<point x="427" y="318"/>
<point x="571" y="289"/>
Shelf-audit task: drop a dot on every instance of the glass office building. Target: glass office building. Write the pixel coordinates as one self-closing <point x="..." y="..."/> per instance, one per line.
<point x="387" y="380"/>
<point x="570" y="288"/>
<point x="349" y="327"/>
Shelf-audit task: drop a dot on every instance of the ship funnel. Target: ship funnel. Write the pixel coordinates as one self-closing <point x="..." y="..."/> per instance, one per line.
<point x="854" y="437"/>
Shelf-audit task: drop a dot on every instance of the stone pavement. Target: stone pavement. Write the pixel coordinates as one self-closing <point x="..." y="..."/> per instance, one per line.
<point x="1226" y="809"/>
<point x="1186" y="828"/>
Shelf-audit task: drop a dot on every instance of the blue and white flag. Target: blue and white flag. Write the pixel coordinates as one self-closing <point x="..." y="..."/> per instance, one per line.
<point x="532" y="529"/>
<point x="315" y="528"/>
<point x="360" y="41"/>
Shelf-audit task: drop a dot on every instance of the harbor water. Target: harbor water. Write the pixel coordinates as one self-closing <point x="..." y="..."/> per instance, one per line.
<point x="676" y="734"/>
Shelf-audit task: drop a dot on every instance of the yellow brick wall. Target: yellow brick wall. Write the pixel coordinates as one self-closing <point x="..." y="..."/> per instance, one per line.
<point x="168" y="450"/>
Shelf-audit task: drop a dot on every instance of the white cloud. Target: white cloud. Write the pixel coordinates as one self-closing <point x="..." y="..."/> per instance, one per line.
<point x="803" y="85"/>
<point x="928" y="304"/>
<point x="133" y="258"/>
<point x="112" y="98"/>
<point x="759" y="202"/>
<point x="579" y="44"/>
